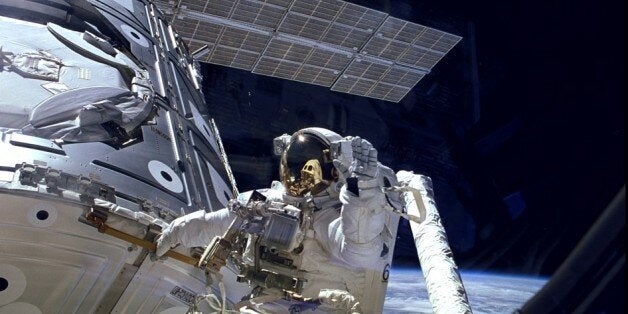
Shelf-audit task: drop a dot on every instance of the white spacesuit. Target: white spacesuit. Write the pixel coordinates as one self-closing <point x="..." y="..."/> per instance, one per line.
<point x="341" y="238"/>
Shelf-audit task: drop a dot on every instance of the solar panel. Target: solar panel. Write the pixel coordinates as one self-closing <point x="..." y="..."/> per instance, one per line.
<point x="333" y="22"/>
<point x="300" y="62"/>
<point x="374" y="79"/>
<point x="229" y="45"/>
<point x="214" y="7"/>
<point x="331" y="43"/>
<point x="198" y="31"/>
<point x="410" y="43"/>
<point x="257" y="12"/>
<point x="263" y="13"/>
<point x="238" y="48"/>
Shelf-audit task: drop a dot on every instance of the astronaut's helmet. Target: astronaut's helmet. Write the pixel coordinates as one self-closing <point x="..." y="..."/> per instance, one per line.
<point x="306" y="164"/>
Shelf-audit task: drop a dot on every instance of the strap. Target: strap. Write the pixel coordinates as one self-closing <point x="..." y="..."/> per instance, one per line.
<point x="259" y="299"/>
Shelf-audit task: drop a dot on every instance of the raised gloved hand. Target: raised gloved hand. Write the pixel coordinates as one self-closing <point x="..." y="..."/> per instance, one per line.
<point x="360" y="170"/>
<point x="363" y="215"/>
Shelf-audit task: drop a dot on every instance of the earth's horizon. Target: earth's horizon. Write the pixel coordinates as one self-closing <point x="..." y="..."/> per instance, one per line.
<point x="487" y="292"/>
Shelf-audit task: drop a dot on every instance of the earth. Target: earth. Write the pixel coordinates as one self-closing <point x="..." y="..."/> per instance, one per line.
<point x="487" y="292"/>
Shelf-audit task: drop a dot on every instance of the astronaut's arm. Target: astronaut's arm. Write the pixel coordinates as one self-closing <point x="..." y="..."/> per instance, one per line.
<point x="355" y="236"/>
<point x="194" y="229"/>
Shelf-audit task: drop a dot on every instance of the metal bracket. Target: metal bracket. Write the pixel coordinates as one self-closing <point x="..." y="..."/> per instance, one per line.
<point x="97" y="218"/>
<point x="57" y="180"/>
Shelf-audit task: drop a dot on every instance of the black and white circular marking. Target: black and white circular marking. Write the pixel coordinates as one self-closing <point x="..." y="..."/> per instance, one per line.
<point x="12" y="283"/>
<point x="42" y="215"/>
<point x="4" y="284"/>
<point x="165" y="176"/>
<point x="20" y="307"/>
<point x="134" y="35"/>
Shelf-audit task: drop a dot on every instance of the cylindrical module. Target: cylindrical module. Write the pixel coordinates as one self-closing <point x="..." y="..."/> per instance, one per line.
<point x="442" y="280"/>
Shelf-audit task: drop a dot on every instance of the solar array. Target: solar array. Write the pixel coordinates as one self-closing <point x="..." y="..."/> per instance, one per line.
<point x="332" y="43"/>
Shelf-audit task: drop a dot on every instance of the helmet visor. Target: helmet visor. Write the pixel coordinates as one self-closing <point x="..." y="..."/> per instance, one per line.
<point x="305" y="166"/>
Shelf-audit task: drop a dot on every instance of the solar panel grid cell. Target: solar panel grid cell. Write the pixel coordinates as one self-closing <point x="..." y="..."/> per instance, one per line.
<point x="259" y="13"/>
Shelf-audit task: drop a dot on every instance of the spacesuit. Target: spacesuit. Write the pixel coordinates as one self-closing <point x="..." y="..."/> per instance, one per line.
<point x="335" y="184"/>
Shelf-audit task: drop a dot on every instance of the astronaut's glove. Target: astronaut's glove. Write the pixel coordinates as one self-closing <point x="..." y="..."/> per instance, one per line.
<point x="169" y="238"/>
<point x="181" y="231"/>
<point x="361" y="170"/>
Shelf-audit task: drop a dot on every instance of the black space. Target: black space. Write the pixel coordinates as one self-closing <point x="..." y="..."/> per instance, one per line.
<point x="520" y="126"/>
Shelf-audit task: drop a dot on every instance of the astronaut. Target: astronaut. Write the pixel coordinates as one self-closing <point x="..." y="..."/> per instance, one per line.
<point x="335" y="184"/>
